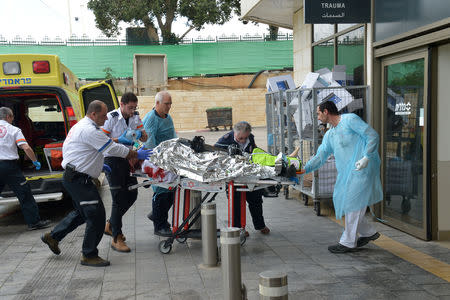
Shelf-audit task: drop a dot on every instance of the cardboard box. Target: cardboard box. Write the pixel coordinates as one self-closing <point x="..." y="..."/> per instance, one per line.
<point x="280" y="83"/>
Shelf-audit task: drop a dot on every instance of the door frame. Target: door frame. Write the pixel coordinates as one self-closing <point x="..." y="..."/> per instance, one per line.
<point x="424" y="52"/>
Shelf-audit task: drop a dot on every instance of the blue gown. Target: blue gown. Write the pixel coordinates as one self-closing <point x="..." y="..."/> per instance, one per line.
<point x="349" y="141"/>
<point x="158" y="130"/>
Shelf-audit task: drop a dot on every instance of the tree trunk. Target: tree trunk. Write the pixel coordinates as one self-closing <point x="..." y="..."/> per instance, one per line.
<point x="152" y="32"/>
<point x="273" y="33"/>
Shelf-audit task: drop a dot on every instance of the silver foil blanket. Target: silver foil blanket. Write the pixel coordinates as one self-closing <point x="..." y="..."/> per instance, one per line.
<point x="215" y="166"/>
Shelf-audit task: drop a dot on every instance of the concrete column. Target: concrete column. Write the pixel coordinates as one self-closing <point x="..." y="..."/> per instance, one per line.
<point x="196" y="198"/>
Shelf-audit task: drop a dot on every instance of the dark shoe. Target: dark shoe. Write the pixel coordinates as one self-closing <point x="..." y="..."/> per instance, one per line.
<point x="150" y="216"/>
<point x="338" y="248"/>
<point x="265" y="230"/>
<point x="51" y="243"/>
<point x="246" y="234"/>
<point x="40" y="225"/>
<point x="96" y="261"/>
<point x="166" y="232"/>
<point x="362" y="241"/>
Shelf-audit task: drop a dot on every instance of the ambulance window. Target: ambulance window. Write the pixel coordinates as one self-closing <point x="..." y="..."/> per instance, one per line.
<point x="101" y="93"/>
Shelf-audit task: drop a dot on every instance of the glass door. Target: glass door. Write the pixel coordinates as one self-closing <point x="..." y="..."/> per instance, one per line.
<point x="404" y="146"/>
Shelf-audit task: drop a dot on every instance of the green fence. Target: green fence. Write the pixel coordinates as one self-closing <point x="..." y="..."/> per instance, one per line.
<point x="182" y="60"/>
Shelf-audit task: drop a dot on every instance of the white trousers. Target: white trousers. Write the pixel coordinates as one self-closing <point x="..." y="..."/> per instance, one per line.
<point x="356" y="225"/>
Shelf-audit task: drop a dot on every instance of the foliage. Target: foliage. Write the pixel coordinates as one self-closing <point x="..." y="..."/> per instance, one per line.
<point x="160" y="14"/>
<point x="108" y="73"/>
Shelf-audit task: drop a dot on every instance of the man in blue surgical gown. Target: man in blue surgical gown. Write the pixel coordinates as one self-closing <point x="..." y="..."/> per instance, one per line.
<point x="159" y="127"/>
<point x="354" y="145"/>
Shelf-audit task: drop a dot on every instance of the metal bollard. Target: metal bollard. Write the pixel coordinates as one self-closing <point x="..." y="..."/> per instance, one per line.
<point x="209" y="234"/>
<point x="273" y="285"/>
<point x="231" y="262"/>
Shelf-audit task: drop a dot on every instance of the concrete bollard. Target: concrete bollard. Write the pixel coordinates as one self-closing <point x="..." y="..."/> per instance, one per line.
<point x="273" y="285"/>
<point x="209" y="234"/>
<point x="231" y="262"/>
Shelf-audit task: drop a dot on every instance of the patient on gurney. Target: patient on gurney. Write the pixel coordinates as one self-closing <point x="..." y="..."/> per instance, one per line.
<point x="199" y="161"/>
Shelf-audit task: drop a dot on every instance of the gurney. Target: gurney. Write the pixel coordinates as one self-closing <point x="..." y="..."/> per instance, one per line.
<point x="182" y="223"/>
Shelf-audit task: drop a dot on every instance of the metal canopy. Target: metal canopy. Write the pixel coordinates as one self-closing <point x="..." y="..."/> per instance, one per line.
<point x="278" y="13"/>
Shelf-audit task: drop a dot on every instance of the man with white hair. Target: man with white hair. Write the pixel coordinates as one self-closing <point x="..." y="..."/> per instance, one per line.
<point x="159" y="127"/>
<point x="239" y="140"/>
<point x="11" y="137"/>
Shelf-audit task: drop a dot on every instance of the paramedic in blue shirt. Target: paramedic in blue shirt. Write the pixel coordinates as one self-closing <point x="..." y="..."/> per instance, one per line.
<point x="11" y="137"/>
<point x="119" y="122"/>
<point x="83" y="156"/>
<point x="354" y="145"/>
<point x="159" y="127"/>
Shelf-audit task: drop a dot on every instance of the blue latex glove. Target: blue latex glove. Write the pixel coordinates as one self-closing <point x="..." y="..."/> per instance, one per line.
<point x="143" y="153"/>
<point x="37" y="164"/>
<point x="294" y="179"/>
<point x="106" y="168"/>
<point x="138" y="134"/>
<point x="123" y="140"/>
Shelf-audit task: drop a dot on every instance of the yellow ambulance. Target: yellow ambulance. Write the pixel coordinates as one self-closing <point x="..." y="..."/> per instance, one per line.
<point x="47" y="101"/>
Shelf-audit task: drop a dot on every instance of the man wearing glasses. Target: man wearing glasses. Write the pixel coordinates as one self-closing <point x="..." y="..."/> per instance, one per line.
<point x="120" y="122"/>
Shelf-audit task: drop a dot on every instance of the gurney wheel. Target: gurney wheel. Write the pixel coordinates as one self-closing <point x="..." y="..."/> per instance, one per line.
<point x="317" y="207"/>
<point x="163" y="248"/>
<point x="181" y="240"/>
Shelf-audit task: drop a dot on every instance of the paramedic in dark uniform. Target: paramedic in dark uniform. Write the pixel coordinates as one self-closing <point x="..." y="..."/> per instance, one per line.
<point x="119" y="122"/>
<point x="83" y="156"/>
<point x="11" y="137"/>
<point x="242" y="138"/>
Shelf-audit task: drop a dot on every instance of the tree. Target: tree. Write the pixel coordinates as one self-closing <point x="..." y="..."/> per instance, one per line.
<point x="160" y="14"/>
<point x="273" y="33"/>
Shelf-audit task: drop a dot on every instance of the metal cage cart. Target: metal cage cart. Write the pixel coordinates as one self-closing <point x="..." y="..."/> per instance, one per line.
<point x="292" y="122"/>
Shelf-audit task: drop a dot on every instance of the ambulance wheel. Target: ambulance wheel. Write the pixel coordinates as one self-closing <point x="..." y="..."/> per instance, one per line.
<point x="305" y="199"/>
<point x="163" y="248"/>
<point x="181" y="240"/>
<point x="317" y="207"/>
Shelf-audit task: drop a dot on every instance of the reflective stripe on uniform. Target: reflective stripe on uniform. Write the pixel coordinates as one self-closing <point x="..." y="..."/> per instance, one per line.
<point x="21" y="140"/>
<point x="88" y="202"/>
<point x="139" y="126"/>
<point x="23" y="183"/>
<point x="106" y="131"/>
<point x="103" y="148"/>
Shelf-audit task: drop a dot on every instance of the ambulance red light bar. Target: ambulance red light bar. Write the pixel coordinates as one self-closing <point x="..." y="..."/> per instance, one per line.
<point x="41" y="66"/>
<point x="11" y="68"/>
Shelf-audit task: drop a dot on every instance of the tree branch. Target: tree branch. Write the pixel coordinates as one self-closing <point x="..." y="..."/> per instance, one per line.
<point x="187" y="31"/>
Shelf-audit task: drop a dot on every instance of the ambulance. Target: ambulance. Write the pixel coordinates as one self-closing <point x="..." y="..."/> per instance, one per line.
<point x="47" y="101"/>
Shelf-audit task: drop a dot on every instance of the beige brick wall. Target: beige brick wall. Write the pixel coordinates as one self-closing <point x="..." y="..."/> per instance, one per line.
<point x="189" y="107"/>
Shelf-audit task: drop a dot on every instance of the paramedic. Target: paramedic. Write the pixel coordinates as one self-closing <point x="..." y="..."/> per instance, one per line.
<point x="159" y="126"/>
<point x="119" y="121"/>
<point x="11" y="137"/>
<point x="354" y="145"/>
<point x="83" y="156"/>
<point x="242" y="138"/>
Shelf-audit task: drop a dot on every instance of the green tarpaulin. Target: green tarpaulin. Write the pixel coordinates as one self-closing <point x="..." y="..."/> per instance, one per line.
<point x="182" y="60"/>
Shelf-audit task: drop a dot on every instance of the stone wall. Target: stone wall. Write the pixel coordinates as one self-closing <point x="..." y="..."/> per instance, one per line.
<point x="189" y="107"/>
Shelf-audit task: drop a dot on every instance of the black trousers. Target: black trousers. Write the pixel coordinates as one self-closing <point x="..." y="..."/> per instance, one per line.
<point x="89" y="209"/>
<point x="122" y="199"/>
<point x="11" y="174"/>
<point x="161" y="204"/>
<point x="255" y="201"/>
